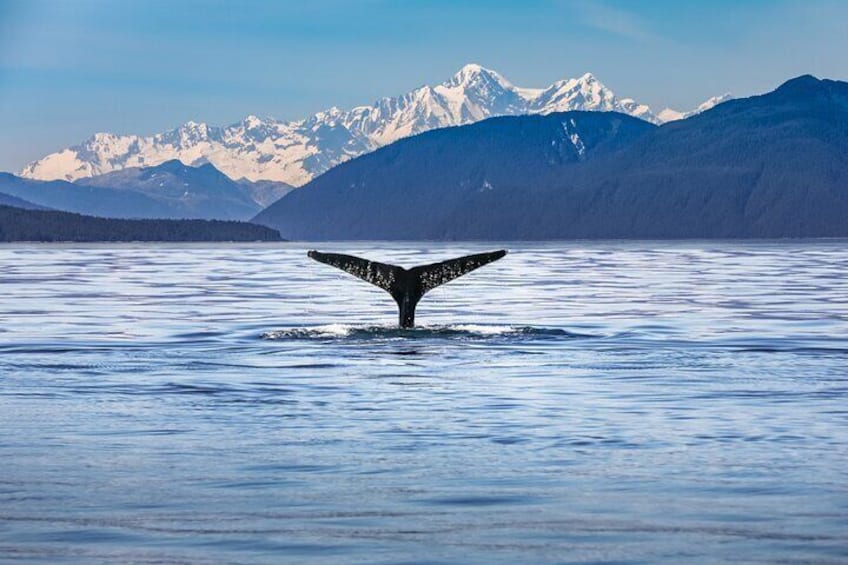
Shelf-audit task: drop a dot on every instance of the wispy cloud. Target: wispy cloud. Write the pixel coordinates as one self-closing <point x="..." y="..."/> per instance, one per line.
<point x="617" y="21"/>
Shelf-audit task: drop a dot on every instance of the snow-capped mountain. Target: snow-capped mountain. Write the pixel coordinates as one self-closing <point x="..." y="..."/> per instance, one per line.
<point x="252" y="149"/>
<point x="591" y="175"/>
<point x="669" y="115"/>
<point x="586" y="93"/>
<point x="295" y="152"/>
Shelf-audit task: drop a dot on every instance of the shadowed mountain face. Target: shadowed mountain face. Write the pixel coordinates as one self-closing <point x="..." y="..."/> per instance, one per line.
<point x="170" y="190"/>
<point x="61" y="195"/>
<point x="264" y="192"/>
<point x="189" y="192"/>
<point x="8" y="200"/>
<point x="768" y="166"/>
<point x="413" y="188"/>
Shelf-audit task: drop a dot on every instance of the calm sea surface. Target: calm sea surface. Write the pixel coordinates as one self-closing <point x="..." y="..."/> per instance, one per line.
<point x="606" y="402"/>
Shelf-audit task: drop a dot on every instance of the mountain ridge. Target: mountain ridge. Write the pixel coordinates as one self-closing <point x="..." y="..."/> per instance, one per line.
<point x="767" y="166"/>
<point x="405" y="190"/>
<point x="16" y="202"/>
<point x="168" y="190"/>
<point x="295" y="152"/>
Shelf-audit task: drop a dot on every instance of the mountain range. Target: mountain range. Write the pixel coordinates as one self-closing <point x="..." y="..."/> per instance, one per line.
<point x="295" y="152"/>
<point x="774" y="166"/>
<point x="168" y="190"/>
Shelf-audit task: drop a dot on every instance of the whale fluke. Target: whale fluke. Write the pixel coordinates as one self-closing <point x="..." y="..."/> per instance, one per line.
<point x="407" y="286"/>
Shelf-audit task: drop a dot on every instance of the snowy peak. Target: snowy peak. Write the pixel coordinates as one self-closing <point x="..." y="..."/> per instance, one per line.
<point x="669" y="115"/>
<point x="252" y="122"/>
<point x="476" y="93"/>
<point x="472" y="75"/>
<point x="712" y="102"/>
<point x="590" y="94"/>
<point x="585" y="92"/>
<point x="189" y="134"/>
<point x="295" y="152"/>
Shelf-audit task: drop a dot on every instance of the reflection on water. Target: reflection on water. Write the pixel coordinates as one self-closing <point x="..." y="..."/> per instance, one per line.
<point x="581" y="402"/>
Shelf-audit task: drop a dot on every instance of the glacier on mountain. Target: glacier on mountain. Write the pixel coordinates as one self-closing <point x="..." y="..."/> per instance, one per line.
<point x="297" y="151"/>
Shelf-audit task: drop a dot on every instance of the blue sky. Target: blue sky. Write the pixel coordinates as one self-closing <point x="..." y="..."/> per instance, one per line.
<point x="71" y="68"/>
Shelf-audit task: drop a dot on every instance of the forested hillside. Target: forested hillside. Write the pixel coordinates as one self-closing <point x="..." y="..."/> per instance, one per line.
<point x="18" y="224"/>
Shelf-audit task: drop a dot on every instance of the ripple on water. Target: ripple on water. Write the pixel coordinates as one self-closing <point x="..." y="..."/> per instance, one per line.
<point x="651" y="402"/>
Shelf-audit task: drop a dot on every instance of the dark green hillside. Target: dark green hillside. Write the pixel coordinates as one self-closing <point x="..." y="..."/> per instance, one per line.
<point x="18" y="224"/>
<point x="413" y="188"/>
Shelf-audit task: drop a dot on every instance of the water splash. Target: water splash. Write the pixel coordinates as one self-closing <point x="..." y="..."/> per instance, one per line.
<point x="451" y="332"/>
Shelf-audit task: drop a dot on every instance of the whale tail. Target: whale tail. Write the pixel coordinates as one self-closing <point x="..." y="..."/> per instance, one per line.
<point x="406" y="286"/>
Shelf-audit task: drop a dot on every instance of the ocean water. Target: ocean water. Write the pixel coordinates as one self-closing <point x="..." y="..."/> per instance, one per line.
<point x="639" y="402"/>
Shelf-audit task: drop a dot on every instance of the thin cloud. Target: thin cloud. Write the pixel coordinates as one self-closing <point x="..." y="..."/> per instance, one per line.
<point x="616" y="21"/>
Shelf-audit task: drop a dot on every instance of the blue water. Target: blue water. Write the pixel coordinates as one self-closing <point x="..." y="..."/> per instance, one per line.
<point x="640" y="402"/>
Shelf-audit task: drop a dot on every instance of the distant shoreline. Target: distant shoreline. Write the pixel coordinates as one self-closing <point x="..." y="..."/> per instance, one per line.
<point x="339" y="244"/>
<point x="19" y="225"/>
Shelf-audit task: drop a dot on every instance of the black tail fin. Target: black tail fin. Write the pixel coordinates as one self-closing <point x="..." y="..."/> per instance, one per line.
<point x="407" y="286"/>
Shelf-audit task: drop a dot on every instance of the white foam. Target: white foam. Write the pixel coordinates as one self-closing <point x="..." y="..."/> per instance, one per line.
<point x="478" y="329"/>
<point x="329" y="330"/>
